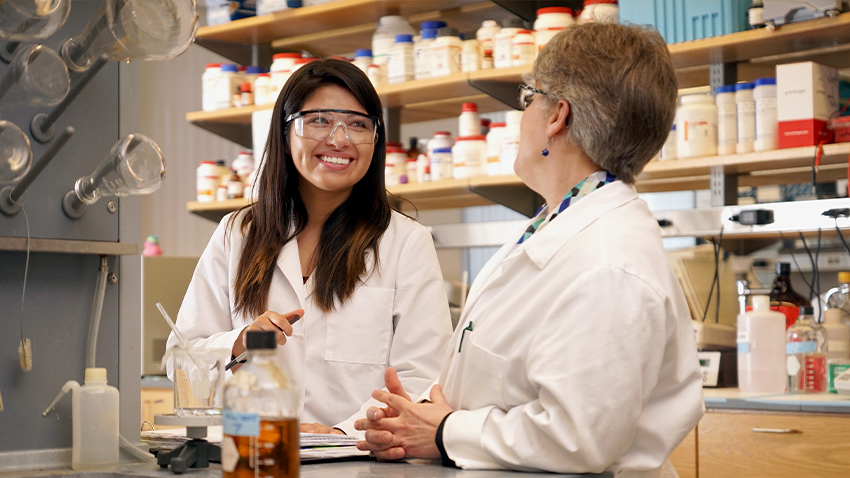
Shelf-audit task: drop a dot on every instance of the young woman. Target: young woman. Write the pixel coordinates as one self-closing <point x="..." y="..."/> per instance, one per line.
<point x="323" y="243"/>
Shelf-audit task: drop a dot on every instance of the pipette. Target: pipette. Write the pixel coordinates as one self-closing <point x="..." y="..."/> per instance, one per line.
<point x="243" y="355"/>
<point x="187" y="346"/>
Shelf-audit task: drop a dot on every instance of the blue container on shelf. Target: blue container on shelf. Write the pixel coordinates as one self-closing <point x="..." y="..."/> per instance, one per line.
<point x="683" y="20"/>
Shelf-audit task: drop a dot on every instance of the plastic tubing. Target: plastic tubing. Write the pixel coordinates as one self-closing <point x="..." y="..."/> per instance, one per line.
<point x="137" y="452"/>
<point x="96" y="309"/>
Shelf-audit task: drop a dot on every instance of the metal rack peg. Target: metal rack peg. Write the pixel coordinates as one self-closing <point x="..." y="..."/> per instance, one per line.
<point x="41" y="125"/>
<point x="9" y="195"/>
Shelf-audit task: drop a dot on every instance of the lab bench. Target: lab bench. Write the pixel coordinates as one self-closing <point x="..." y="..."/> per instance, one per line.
<point x="347" y="469"/>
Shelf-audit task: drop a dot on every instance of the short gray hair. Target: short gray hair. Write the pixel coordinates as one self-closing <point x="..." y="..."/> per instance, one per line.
<point x="622" y="89"/>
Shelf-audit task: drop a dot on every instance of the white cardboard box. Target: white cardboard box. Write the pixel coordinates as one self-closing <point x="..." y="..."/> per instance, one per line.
<point x="806" y="96"/>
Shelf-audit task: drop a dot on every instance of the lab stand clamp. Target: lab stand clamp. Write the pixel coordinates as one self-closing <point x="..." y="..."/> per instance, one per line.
<point x="195" y="453"/>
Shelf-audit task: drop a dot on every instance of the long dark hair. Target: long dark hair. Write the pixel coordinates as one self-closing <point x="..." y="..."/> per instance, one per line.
<point x="279" y="214"/>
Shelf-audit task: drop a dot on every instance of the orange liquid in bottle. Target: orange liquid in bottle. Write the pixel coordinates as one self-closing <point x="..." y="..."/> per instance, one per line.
<point x="274" y="454"/>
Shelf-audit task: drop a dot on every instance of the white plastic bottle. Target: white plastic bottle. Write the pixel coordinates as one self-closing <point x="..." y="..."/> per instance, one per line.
<point x="445" y="52"/>
<point x="469" y="60"/>
<point x="600" y="11"/>
<point x="494" y="149"/>
<point x="767" y="126"/>
<point x="208" y="178"/>
<point x="696" y="127"/>
<point x="441" y="163"/>
<point x="281" y="69"/>
<point x="485" y="35"/>
<point x="510" y="141"/>
<point x="95" y="423"/>
<point x="243" y="164"/>
<point x="363" y="58"/>
<point x="550" y="21"/>
<point x="469" y="156"/>
<point x="208" y="85"/>
<point x="400" y="59"/>
<point x="523" y="49"/>
<point x="441" y="140"/>
<point x="423" y="169"/>
<point x="503" y="42"/>
<point x="469" y="121"/>
<point x="388" y="27"/>
<point x="746" y="107"/>
<point x="396" y="164"/>
<point x="761" y="349"/>
<point x="422" y="54"/>
<point x="264" y="90"/>
<point x="727" y="120"/>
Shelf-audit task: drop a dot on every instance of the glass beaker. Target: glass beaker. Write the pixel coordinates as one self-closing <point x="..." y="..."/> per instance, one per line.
<point x="28" y="20"/>
<point x="199" y="381"/>
<point x="36" y="77"/>
<point x="15" y="153"/>
<point x="134" y="30"/>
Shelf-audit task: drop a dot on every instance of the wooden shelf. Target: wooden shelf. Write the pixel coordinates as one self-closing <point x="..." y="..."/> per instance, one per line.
<point x="215" y="210"/>
<point x="63" y="246"/>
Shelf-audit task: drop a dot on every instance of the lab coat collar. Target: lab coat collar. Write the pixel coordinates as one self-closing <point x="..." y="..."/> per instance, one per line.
<point x="289" y="263"/>
<point x="543" y="245"/>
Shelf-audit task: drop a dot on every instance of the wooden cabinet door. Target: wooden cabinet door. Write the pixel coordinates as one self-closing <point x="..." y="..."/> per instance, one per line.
<point x="684" y="457"/>
<point x="156" y="401"/>
<point x="749" y="444"/>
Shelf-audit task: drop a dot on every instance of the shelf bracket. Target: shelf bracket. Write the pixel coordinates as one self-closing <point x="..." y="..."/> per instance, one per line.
<point x="241" y="53"/>
<point x="506" y="92"/>
<point x="527" y="10"/>
<point x="724" y="187"/>
<point x="392" y="123"/>
<point x="516" y="197"/>
<point x="720" y="74"/>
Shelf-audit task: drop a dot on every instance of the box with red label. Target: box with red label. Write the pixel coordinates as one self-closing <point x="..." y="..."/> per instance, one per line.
<point x="806" y="96"/>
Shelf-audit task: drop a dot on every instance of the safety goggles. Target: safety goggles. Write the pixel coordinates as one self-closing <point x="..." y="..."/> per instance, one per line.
<point x="321" y="125"/>
<point x="526" y="95"/>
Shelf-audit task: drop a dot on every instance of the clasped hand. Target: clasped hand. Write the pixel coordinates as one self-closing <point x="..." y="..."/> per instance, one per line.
<point x="403" y="429"/>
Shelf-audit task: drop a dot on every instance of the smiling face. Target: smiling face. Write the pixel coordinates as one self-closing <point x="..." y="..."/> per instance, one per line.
<point x="332" y="165"/>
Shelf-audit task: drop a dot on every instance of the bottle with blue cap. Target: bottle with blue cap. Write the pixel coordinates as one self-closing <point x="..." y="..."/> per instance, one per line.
<point x="767" y="126"/>
<point x="363" y="58"/>
<point x="727" y="120"/>
<point x="422" y="48"/>
<point x="746" y="108"/>
<point x="400" y="59"/>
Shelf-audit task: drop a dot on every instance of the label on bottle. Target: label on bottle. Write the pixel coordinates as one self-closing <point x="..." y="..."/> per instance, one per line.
<point x="240" y="424"/>
<point x="743" y="340"/>
<point x="792" y="364"/>
<point x="806" y="347"/>
<point x="836" y="369"/>
<point x="229" y="454"/>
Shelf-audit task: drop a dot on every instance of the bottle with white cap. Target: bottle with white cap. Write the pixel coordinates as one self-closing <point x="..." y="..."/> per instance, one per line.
<point x="761" y="348"/>
<point x="727" y="120"/>
<point x="384" y="37"/>
<point x="485" y="35"/>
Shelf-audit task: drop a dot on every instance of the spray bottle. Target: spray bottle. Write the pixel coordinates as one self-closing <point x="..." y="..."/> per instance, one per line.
<point x="95" y="421"/>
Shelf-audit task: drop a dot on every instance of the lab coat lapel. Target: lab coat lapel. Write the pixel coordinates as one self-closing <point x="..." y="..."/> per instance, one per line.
<point x="544" y="244"/>
<point x="289" y="263"/>
<point x="492" y="270"/>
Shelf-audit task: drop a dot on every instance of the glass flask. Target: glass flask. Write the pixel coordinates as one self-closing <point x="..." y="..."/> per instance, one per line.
<point x="36" y="77"/>
<point x="28" y="20"/>
<point x="134" y="30"/>
<point x="805" y="351"/>
<point x="783" y="298"/>
<point x="134" y="166"/>
<point x="260" y="417"/>
<point x="15" y="153"/>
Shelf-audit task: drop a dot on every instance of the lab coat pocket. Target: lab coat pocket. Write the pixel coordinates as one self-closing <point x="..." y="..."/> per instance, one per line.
<point x="361" y="330"/>
<point x="482" y="370"/>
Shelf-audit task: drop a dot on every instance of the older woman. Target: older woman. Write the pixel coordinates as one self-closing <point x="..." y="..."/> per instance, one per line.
<point x="575" y="352"/>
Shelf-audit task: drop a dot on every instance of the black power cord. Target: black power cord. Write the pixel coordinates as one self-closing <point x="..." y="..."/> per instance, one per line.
<point x="715" y="281"/>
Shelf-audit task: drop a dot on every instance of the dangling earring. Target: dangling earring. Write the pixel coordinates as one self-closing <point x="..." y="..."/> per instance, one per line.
<point x="545" y="151"/>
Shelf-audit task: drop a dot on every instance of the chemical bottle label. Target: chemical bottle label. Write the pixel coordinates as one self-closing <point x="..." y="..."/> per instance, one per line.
<point x="240" y="424"/>
<point x="806" y="347"/>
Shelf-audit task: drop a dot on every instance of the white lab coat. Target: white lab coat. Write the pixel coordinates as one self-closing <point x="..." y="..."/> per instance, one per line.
<point x="581" y="356"/>
<point x="399" y="317"/>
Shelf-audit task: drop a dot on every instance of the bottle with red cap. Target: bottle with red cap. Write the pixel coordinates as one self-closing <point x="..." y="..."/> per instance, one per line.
<point x="469" y="121"/>
<point x="550" y="21"/>
<point x="469" y="156"/>
<point x="523" y="49"/>
<point x="208" y="85"/>
<point x="600" y="11"/>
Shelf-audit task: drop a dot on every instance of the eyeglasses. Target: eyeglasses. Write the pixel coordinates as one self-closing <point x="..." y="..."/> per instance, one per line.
<point x="526" y="95"/>
<point x="321" y="125"/>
